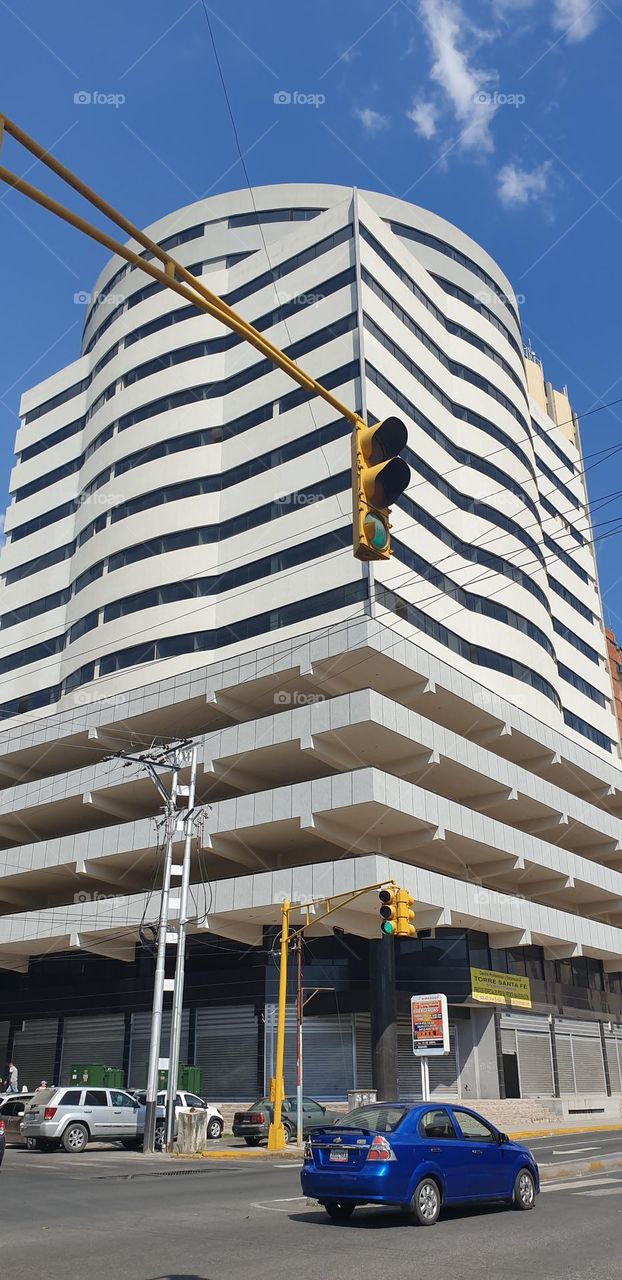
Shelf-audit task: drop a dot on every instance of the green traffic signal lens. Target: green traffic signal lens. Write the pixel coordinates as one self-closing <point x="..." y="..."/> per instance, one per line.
<point x="387" y="927"/>
<point x="376" y="532"/>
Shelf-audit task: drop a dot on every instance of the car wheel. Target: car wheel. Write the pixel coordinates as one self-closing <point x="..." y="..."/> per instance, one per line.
<point x="214" y="1128"/>
<point x="340" y="1210"/>
<point x="75" y="1138"/>
<point x="524" y="1190"/>
<point x="252" y="1142"/>
<point x="159" y="1137"/>
<point x="425" y="1205"/>
<point x="288" y="1134"/>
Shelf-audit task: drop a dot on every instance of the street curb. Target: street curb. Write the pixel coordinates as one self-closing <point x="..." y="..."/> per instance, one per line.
<point x="233" y="1153"/>
<point x="579" y="1168"/>
<point x="523" y="1134"/>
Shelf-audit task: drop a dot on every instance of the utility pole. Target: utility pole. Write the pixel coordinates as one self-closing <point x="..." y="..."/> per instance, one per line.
<point x="180" y="964"/>
<point x="276" y="1132"/>
<point x="173" y="922"/>
<point x="160" y="973"/>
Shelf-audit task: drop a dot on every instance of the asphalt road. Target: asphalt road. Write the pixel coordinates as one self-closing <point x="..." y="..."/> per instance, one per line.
<point x="109" y="1218"/>
<point x="575" y="1146"/>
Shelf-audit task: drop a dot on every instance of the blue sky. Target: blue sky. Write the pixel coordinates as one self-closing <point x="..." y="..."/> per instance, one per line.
<point x="501" y="115"/>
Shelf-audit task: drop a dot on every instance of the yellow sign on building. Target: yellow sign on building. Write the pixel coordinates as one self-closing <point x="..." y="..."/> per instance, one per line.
<point x="500" y="988"/>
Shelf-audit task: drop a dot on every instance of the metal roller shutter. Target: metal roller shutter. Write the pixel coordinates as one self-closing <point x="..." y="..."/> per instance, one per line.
<point x="34" y="1051"/>
<point x="580" y="1050"/>
<point x="139" y="1045"/>
<point x="444" y="1071"/>
<point x="226" y="1052"/>
<point x="93" y="1040"/>
<point x="328" y="1056"/>
<point x="613" y="1045"/>
<point x="362" y="1041"/>
<point x="289" y="1055"/>
<point x="5" y="1027"/>
<point x="529" y="1037"/>
<point x="327" y="1053"/>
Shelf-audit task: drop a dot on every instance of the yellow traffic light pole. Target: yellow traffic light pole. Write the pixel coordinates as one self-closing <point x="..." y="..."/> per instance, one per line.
<point x="378" y="475"/>
<point x="276" y="1132"/>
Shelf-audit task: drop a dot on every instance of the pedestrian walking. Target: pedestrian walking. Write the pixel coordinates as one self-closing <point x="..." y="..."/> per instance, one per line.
<point x="9" y="1084"/>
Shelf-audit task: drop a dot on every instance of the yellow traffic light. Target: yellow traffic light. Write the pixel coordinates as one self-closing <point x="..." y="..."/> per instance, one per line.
<point x="388" y="911"/>
<point x="379" y="477"/>
<point x="405" y="915"/>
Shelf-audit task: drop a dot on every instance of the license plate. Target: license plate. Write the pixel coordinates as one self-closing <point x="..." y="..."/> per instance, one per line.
<point x="338" y="1157"/>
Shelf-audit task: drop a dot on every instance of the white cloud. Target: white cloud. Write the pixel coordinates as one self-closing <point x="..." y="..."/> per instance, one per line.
<point x="519" y="187"/>
<point x="576" y="18"/>
<point x="466" y="87"/>
<point x="371" y="120"/>
<point x="424" y="116"/>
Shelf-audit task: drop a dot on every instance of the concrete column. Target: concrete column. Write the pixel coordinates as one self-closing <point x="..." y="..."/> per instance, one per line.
<point x="383" y="1007"/>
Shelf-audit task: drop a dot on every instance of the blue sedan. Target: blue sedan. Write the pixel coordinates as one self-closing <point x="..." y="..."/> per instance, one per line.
<point x="419" y="1158"/>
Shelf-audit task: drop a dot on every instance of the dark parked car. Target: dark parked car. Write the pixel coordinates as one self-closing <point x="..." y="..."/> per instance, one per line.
<point x="253" y="1124"/>
<point x="419" y="1158"/>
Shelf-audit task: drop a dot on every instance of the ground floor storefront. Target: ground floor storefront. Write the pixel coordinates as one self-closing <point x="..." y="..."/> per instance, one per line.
<point x="93" y="1009"/>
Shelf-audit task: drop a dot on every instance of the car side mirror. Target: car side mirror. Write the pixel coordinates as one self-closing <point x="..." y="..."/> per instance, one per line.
<point x="502" y="1138"/>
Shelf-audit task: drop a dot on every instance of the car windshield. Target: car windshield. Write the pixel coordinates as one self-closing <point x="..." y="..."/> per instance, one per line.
<point x="376" y="1118"/>
<point x="261" y="1102"/>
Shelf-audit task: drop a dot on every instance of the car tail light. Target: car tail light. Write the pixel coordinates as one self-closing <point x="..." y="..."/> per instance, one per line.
<point x="1" y="1126"/>
<point x="307" y="1153"/>
<point x="256" y="1117"/>
<point x="380" y="1150"/>
<point x="49" y="1113"/>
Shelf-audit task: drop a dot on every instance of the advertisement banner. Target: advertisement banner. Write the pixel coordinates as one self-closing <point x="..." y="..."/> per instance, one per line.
<point x="500" y="988"/>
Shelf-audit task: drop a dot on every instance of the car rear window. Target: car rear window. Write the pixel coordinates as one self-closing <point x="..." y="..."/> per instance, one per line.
<point x="376" y="1118"/>
<point x="41" y="1097"/>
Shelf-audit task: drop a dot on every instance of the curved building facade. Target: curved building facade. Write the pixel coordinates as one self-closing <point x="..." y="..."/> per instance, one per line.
<point x="175" y="495"/>
<point x="178" y="562"/>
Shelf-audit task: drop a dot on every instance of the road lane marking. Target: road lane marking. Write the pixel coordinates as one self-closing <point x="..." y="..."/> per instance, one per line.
<point x="574" y="1185"/>
<point x="270" y="1205"/>
<point x="572" y="1151"/>
<point x="603" y="1191"/>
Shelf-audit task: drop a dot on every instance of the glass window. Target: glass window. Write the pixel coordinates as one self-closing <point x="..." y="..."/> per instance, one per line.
<point x="96" y="1098"/>
<point x="473" y="1129"/>
<point x="375" y="1118"/>
<point x="118" y="1099"/>
<point x="70" y="1098"/>
<point x="436" y="1124"/>
<point x="193" y="1101"/>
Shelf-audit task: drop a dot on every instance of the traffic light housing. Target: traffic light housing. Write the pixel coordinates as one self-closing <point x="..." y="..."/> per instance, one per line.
<point x="388" y="911"/>
<point x="379" y="477"/>
<point x="405" y="915"/>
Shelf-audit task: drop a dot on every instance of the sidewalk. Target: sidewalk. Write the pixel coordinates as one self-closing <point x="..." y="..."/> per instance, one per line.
<point x="234" y="1149"/>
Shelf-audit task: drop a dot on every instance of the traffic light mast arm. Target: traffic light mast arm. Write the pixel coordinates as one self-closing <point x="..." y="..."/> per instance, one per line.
<point x="174" y="276"/>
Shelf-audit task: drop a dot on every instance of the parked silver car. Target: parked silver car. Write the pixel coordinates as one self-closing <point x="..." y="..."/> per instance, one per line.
<point x="70" y="1118"/>
<point x="12" y="1110"/>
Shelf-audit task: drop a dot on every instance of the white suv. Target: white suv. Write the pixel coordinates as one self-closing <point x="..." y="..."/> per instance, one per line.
<point x="215" y="1122"/>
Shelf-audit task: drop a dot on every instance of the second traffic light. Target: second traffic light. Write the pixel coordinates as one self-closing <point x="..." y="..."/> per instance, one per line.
<point x="405" y="915"/>
<point x="379" y="477"/>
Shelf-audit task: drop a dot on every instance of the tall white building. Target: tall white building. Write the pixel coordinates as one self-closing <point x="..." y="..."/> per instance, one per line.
<point x="178" y="561"/>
